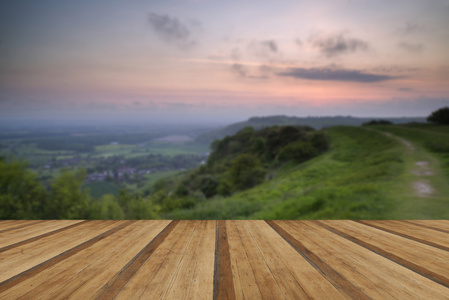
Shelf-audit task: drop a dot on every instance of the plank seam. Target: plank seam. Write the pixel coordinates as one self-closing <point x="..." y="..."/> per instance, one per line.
<point x="175" y="273"/>
<point x="113" y="287"/>
<point x="426" y="226"/>
<point x="223" y="283"/>
<point x="7" y="284"/>
<point x="30" y="240"/>
<point x="404" y="235"/>
<point x="21" y="226"/>
<point x="336" y="279"/>
<point x="394" y="258"/>
<point x="261" y="253"/>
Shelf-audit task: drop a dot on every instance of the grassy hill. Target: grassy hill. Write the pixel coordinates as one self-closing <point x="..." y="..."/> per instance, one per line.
<point x="372" y="172"/>
<point x="315" y="122"/>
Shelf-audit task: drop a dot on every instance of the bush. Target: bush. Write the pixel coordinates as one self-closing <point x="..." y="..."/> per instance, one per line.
<point x="440" y="116"/>
<point x="246" y="171"/>
<point x="298" y="152"/>
<point x="377" y="122"/>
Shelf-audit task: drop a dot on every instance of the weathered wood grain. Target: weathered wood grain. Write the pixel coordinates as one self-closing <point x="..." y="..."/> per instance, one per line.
<point x="17" y="268"/>
<point x="414" y="232"/>
<point x="421" y="258"/>
<point x="119" y="280"/>
<point x="442" y="225"/>
<point x="376" y="276"/>
<point x="224" y="259"/>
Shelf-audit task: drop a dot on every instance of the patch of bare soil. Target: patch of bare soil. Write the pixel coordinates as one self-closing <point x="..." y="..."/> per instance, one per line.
<point x="423" y="169"/>
<point x="422" y="188"/>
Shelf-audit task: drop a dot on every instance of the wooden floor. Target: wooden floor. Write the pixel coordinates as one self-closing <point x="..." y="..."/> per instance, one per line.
<point x="224" y="259"/>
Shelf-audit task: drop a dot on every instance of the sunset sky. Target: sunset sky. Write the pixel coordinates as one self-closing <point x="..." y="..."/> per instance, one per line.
<point x="220" y="61"/>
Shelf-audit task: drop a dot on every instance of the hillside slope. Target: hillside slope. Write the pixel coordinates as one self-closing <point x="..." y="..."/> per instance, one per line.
<point x="422" y="190"/>
<point x="315" y="122"/>
<point x="364" y="176"/>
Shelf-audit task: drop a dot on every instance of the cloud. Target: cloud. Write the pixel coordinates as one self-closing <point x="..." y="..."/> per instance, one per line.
<point x="409" y="27"/>
<point x="337" y="44"/>
<point x="264" y="49"/>
<point x="242" y="71"/>
<point x="335" y="75"/>
<point x="413" y="48"/>
<point x="405" y="89"/>
<point x="173" y="31"/>
<point x="239" y="69"/>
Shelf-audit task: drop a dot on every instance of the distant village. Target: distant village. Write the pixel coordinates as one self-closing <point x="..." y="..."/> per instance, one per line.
<point x="120" y="169"/>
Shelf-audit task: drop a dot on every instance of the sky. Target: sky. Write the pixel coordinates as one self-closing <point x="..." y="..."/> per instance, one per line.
<point x="221" y="61"/>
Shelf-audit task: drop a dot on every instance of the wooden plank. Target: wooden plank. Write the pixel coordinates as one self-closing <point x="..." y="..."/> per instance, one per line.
<point x="83" y="264"/>
<point x="341" y="283"/>
<point x="414" y="232"/>
<point x="7" y="225"/>
<point x="267" y="284"/>
<point x="152" y="279"/>
<point x="377" y="276"/>
<point x="33" y="269"/>
<point x="190" y="259"/>
<point x="223" y="284"/>
<point x="440" y="225"/>
<point x="188" y="269"/>
<point x="122" y="248"/>
<point x="31" y="230"/>
<point x="120" y="279"/>
<point x="294" y="275"/>
<point x="203" y="278"/>
<point x="42" y="234"/>
<point x="37" y="252"/>
<point x="420" y="258"/>
<point x="245" y="283"/>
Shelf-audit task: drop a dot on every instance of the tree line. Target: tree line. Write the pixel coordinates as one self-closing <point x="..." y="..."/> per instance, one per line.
<point x="236" y="163"/>
<point x="23" y="196"/>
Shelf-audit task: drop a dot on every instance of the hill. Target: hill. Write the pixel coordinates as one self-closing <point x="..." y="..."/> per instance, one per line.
<point x="315" y="122"/>
<point x="370" y="172"/>
<point x="242" y="161"/>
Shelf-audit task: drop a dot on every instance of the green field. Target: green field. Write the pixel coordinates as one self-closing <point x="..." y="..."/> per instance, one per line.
<point x="426" y="164"/>
<point x="149" y="180"/>
<point x="366" y="175"/>
<point x="98" y="189"/>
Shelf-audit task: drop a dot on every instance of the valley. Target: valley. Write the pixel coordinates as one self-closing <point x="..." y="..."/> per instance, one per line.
<point x="396" y="171"/>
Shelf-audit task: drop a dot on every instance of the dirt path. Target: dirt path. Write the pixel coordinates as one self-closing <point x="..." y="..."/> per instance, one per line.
<point x="422" y="170"/>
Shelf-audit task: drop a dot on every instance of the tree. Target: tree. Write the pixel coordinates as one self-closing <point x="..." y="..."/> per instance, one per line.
<point x="246" y="171"/>
<point x="68" y="200"/>
<point x="106" y="208"/>
<point x="440" y="116"/>
<point x="299" y="152"/>
<point x="21" y="194"/>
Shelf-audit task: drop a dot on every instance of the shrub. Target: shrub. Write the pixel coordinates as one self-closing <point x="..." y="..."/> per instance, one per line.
<point x="298" y="152"/>
<point x="377" y="122"/>
<point x="440" y="116"/>
<point x="246" y="171"/>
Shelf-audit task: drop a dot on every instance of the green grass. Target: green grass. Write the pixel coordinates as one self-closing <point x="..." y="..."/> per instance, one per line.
<point x="409" y="205"/>
<point x="347" y="182"/>
<point x="149" y="180"/>
<point x="130" y="151"/>
<point x="365" y="175"/>
<point x="98" y="189"/>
